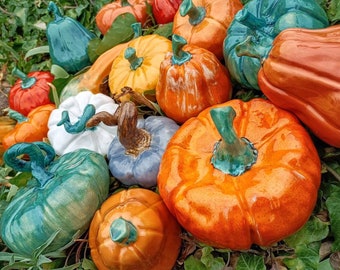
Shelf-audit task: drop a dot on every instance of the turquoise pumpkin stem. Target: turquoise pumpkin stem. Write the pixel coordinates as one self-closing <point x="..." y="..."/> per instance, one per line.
<point x="40" y="155"/>
<point x="80" y="125"/>
<point x="123" y="231"/>
<point x="249" y="48"/>
<point x="20" y="118"/>
<point x="179" y="56"/>
<point x="55" y="10"/>
<point x="27" y="82"/>
<point x="232" y="155"/>
<point x="137" y="29"/>
<point x="196" y="14"/>
<point x="130" y="55"/>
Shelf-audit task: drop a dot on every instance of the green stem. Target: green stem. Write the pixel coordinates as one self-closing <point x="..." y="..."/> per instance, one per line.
<point x="27" y="82"/>
<point x="196" y="14"/>
<point x="130" y="55"/>
<point x="125" y="3"/>
<point x="137" y="29"/>
<point x="179" y="56"/>
<point x="80" y="125"/>
<point x="249" y="48"/>
<point x="123" y="231"/>
<point x="55" y="10"/>
<point x="232" y="155"/>
<point x="20" y="118"/>
<point x="40" y="155"/>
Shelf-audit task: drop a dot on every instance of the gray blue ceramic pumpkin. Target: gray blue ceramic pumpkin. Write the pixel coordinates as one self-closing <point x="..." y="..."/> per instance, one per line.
<point x="254" y="28"/>
<point x="60" y="198"/>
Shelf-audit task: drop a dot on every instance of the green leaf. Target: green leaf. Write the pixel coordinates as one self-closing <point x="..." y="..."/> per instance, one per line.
<point x="333" y="11"/>
<point x="333" y="205"/>
<point x="88" y="264"/>
<point x="324" y="265"/>
<point x="164" y="30"/>
<point x="192" y="263"/>
<point x="307" y="257"/>
<point x="314" y="230"/>
<point x="206" y="262"/>
<point x="119" y="32"/>
<point x="59" y="72"/>
<point x="248" y="261"/>
<point x="37" y="50"/>
<point x="21" y="179"/>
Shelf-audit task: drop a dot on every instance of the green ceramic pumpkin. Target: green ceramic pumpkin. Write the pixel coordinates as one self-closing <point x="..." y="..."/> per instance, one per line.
<point x="254" y="28"/>
<point x="60" y="198"/>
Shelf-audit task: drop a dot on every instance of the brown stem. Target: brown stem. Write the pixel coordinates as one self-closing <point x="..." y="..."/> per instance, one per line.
<point x="135" y="140"/>
<point x="105" y="117"/>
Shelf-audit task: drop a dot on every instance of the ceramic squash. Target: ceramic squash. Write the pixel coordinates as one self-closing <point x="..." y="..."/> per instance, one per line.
<point x="259" y="22"/>
<point x="67" y="124"/>
<point x="133" y="229"/>
<point x="240" y="173"/>
<point x="6" y="125"/>
<point x="29" y="129"/>
<point x="204" y="22"/>
<point x="135" y="153"/>
<point x="30" y="90"/>
<point x="67" y="41"/>
<point x="137" y="66"/>
<point x="164" y="11"/>
<point x="299" y="75"/>
<point x="60" y="198"/>
<point x="191" y="79"/>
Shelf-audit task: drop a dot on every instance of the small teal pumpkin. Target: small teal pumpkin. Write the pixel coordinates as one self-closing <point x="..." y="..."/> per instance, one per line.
<point x="254" y="28"/>
<point x="134" y="155"/>
<point x="67" y="40"/>
<point x="60" y="198"/>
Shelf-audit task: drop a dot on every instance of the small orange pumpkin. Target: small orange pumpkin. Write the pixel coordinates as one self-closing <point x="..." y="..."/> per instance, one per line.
<point x="204" y="23"/>
<point x="31" y="128"/>
<point x="109" y="12"/>
<point x="6" y="125"/>
<point x="133" y="229"/>
<point x="191" y="79"/>
<point x="233" y="181"/>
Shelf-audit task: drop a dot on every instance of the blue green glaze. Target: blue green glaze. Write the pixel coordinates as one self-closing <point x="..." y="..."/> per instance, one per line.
<point x="80" y="125"/>
<point x="179" y="56"/>
<point x="250" y="35"/>
<point x="135" y="61"/>
<point x="20" y="118"/>
<point x="196" y="14"/>
<point x="123" y="231"/>
<point x="68" y="41"/>
<point x="232" y="155"/>
<point x="62" y="195"/>
<point x="27" y="82"/>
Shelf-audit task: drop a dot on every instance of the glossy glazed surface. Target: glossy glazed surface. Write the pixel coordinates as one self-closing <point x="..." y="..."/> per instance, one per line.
<point x="268" y="202"/>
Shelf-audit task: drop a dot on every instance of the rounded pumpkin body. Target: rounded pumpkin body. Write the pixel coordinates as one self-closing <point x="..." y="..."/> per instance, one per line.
<point x="299" y="75"/>
<point x="6" y="125"/>
<point x="209" y="30"/>
<point x="109" y="12"/>
<point x="151" y="50"/>
<point x="164" y="10"/>
<point x="258" y="23"/>
<point x="268" y="202"/>
<point x="185" y="89"/>
<point x="157" y="240"/>
<point x="33" y="129"/>
<point x="77" y="185"/>
<point x="23" y="100"/>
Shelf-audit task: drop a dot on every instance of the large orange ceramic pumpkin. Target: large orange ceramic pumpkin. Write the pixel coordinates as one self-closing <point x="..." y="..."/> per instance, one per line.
<point x="240" y="173"/>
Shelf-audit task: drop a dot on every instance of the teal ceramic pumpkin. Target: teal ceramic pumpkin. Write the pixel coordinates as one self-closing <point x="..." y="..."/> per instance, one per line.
<point x="60" y="198"/>
<point x="67" y="40"/>
<point x="254" y="28"/>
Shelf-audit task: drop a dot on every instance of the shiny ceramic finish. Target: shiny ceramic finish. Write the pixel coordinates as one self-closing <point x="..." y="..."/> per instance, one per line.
<point x="300" y="75"/>
<point x="157" y="243"/>
<point x="268" y="202"/>
<point x="262" y="21"/>
<point x="209" y="31"/>
<point x="62" y="195"/>
<point x="164" y="10"/>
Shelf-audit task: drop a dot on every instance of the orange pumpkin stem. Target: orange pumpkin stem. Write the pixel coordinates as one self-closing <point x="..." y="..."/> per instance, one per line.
<point x="123" y="231"/>
<point x="232" y="155"/>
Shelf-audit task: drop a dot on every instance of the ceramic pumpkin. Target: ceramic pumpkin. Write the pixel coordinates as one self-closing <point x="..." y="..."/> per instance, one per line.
<point x="204" y="22"/>
<point x="29" y="129"/>
<point x="164" y="11"/>
<point x="137" y="66"/>
<point x="191" y="79"/>
<point x="298" y="75"/>
<point x="6" y="125"/>
<point x="133" y="229"/>
<point x="60" y="199"/>
<point x="240" y="173"/>
<point x="30" y="91"/>
<point x="67" y="124"/>
<point x="135" y="153"/>
<point x="259" y="22"/>
<point x="109" y="12"/>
